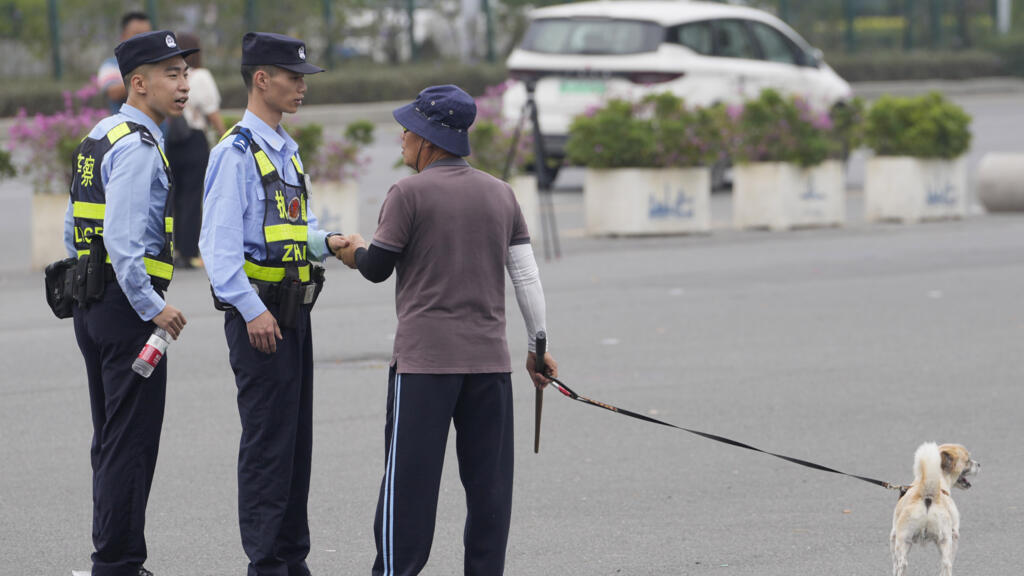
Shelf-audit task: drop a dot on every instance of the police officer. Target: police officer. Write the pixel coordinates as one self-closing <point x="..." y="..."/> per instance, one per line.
<point x="118" y="226"/>
<point x="258" y="239"/>
<point x="450" y="232"/>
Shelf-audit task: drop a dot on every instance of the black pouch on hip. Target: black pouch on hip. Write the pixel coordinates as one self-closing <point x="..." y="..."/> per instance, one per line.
<point x="95" y="271"/>
<point x="59" y="279"/>
<point x="290" y="294"/>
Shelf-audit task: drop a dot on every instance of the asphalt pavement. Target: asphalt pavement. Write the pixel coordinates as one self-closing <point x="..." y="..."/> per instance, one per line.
<point x="847" y="346"/>
<point x="844" y="346"/>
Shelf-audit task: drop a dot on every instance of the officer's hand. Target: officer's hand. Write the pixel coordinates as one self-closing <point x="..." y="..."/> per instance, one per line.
<point x="170" y="319"/>
<point x="264" y="332"/>
<point x="550" y="369"/>
<point x="348" y="254"/>
<point x="336" y="243"/>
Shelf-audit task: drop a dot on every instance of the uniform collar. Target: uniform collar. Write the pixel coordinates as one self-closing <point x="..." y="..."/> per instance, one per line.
<point x="447" y="162"/>
<point x="140" y="117"/>
<point x="277" y="140"/>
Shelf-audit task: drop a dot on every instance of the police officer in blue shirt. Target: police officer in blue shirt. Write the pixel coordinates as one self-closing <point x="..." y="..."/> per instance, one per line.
<point x="118" y="226"/>
<point x="258" y="240"/>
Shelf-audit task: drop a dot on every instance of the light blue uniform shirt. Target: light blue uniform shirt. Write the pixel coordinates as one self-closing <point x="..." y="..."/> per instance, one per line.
<point x="135" y="185"/>
<point x="233" y="208"/>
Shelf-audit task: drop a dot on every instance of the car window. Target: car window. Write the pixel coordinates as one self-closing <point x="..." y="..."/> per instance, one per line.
<point x="592" y="36"/>
<point x="774" y="46"/>
<point x="696" y="37"/>
<point x="732" y="40"/>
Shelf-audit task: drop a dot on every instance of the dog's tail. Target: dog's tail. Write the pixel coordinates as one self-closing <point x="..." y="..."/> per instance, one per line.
<point x="928" y="471"/>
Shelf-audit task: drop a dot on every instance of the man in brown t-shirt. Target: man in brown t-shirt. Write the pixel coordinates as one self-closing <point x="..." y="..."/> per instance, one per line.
<point x="450" y="231"/>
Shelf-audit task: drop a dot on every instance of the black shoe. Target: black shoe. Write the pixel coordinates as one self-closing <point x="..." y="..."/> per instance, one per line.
<point x="144" y="572"/>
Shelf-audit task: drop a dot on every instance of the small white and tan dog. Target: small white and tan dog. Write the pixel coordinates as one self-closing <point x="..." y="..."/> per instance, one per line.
<point x="927" y="511"/>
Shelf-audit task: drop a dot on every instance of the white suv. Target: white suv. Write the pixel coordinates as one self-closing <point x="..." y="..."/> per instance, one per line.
<point x="579" y="55"/>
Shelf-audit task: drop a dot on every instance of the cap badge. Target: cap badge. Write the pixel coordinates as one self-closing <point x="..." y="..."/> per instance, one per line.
<point x="170" y="41"/>
<point x="302" y="52"/>
<point x="293" y="210"/>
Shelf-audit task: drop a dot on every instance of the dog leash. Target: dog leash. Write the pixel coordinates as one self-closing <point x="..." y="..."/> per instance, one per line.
<point x="569" y="393"/>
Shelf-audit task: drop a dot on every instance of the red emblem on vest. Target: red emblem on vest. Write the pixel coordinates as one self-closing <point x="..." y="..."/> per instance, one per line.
<point x="293" y="210"/>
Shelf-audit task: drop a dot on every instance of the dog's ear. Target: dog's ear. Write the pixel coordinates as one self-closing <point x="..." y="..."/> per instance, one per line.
<point x="948" y="461"/>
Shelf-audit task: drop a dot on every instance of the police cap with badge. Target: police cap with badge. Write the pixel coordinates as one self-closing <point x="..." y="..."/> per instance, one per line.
<point x="148" y="48"/>
<point x="267" y="48"/>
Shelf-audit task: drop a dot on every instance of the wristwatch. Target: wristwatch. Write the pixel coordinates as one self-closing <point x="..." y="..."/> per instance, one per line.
<point x="328" y="244"/>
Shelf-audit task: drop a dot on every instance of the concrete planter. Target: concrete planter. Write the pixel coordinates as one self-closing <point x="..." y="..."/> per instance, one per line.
<point x="642" y="201"/>
<point x="525" y="187"/>
<point x="908" y="189"/>
<point x="336" y="205"/>
<point x="781" y="195"/>
<point x="48" y="229"/>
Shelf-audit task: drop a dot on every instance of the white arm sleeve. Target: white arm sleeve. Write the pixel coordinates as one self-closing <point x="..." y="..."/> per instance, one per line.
<point x="522" y="268"/>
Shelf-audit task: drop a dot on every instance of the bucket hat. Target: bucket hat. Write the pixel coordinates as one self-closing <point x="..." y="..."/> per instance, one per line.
<point x="441" y="115"/>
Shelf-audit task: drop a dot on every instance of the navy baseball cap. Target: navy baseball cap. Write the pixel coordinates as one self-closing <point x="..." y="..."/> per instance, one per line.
<point x="147" y="48"/>
<point x="267" y="48"/>
<point x="441" y="115"/>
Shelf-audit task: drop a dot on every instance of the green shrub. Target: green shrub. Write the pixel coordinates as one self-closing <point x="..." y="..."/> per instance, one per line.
<point x="894" y="65"/>
<point x="847" y="132"/>
<point x="7" y="169"/>
<point x="658" y="132"/>
<point x="374" y="83"/>
<point x="1010" y="49"/>
<point x="773" y="128"/>
<point x="926" y="126"/>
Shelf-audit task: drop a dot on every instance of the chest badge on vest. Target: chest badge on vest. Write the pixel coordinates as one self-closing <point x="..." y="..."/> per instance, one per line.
<point x="293" y="210"/>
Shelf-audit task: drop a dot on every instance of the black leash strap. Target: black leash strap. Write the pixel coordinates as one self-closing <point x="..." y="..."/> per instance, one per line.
<point x="561" y="387"/>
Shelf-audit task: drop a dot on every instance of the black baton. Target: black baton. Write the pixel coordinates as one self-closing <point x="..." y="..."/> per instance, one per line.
<point x="538" y="402"/>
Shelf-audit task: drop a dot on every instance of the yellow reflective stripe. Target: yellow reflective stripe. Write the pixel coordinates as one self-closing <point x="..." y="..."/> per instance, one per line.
<point x="118" y="132"/>
<point x="168" y="225"/>
<point x="162" y="155"/>
<point x="153" y="267"/>
<point x="85" y="253"/>
<point x="298" y="165"/>
<point x="266" y="166"/>
<point x="89" y="210"/>
<point x="271" y="273"/>
<point x="226" y="133"/>
<point x="282" y="232"/>
<point x="158" y="269"/>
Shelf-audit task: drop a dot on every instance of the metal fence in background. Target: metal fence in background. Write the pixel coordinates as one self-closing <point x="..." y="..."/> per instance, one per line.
<point x="68" y="38"/>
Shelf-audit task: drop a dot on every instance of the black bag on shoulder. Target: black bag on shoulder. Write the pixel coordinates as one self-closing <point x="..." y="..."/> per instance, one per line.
<point x="58" y="278"/>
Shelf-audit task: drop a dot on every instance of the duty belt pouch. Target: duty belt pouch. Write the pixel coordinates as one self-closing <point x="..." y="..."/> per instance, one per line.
<point x="58" y="280"/>
<point x="290" y="298"/>
<point x="95" y="273"/>
<point x="316" y="275"/>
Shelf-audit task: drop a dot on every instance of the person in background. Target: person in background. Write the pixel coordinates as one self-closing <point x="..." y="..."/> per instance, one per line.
<point x="188" y="151"/>
<point x="109" y="75"/>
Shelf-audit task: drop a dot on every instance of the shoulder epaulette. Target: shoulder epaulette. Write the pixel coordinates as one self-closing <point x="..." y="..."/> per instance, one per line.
<point x="242" y="139"/>
<point x="146" y="137"/>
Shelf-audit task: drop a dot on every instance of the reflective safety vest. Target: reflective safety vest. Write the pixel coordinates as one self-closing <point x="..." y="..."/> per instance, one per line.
<point x="285" y="227"/>
<point x="88" y="197"/>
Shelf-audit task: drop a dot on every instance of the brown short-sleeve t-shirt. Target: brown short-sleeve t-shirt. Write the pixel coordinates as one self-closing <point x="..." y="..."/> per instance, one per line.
<point x="452" y="225"/>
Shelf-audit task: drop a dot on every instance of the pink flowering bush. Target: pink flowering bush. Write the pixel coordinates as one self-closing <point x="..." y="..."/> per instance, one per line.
<point x="658" y="132"/>
<point x="343" y="159"/>
<point x="491" y="139"/>
<point x="773" y="128"/>
<point x="335" y="160"/>
<point x="48" y="141"/>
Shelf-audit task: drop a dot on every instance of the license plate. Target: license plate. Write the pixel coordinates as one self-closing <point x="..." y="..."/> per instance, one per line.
<point x="582" y="87"/>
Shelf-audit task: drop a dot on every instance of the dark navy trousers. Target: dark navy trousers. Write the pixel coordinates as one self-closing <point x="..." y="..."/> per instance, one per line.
<point x="275" y="403"/>
<point x="421" y="408"/>
<point x="127" y="414"/>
